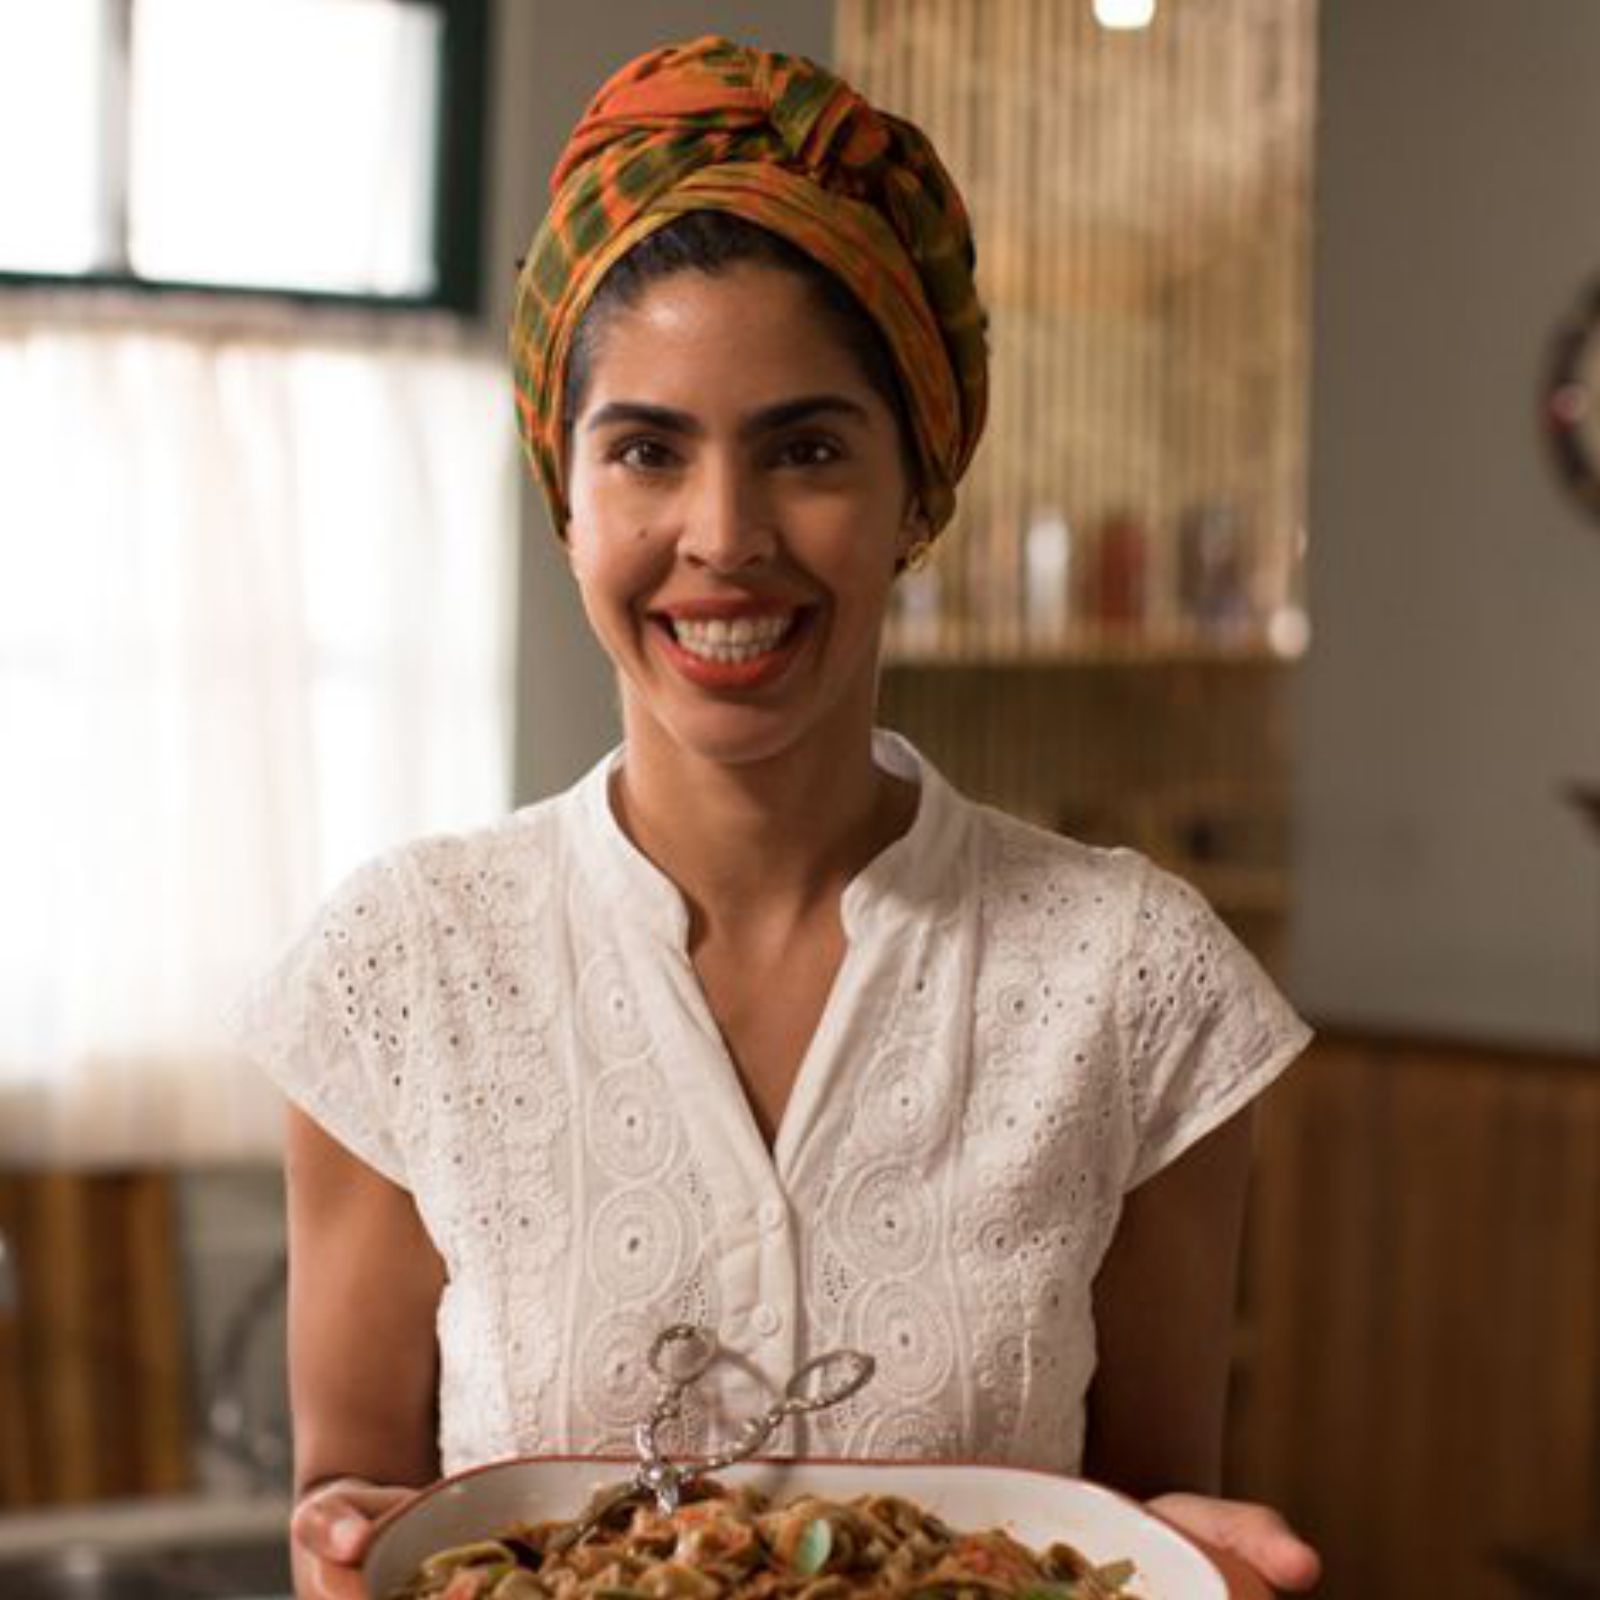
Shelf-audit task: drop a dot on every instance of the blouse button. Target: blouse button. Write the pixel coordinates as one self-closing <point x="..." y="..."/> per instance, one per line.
<point x="766" y="1321"/>
<point x="770" y="1215"/>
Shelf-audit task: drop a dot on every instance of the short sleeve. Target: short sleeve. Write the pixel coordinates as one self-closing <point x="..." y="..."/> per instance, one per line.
<point x="1206" y="1029"/>
<point x="329" y="1021"/>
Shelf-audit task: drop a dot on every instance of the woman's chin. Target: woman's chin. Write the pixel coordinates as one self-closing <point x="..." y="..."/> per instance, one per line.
<point x="736" y="725"/>
<point x="731" y="733"/>
<point x="734" y="736"/>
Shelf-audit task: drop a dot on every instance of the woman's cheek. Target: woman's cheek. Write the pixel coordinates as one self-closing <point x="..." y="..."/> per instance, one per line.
<point x="581" y="551"/>
<point x="614" y="565"/>
<point x="627" y="519"/>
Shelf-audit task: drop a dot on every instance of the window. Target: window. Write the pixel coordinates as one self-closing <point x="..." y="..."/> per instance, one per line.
<point x="325" y="148"/>
<point x="256" y="560"/>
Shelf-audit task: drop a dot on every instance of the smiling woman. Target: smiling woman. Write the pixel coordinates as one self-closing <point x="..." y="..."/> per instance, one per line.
<point x="762" y="1026"/>
<point x="736" y="482"/>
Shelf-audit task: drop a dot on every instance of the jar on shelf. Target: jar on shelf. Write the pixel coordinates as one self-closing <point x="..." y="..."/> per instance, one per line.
<point x="1116" y="590"/>
<point x="1047" y="575"/>
<point x="1213" y="588"/>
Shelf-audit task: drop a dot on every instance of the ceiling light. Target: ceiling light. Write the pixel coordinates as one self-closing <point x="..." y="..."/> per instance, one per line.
<point x="1124" y="13"/>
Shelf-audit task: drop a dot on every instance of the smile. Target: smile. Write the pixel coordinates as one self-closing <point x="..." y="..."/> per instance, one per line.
<point x="733" y="653"/>
<point x="732" y="639"/>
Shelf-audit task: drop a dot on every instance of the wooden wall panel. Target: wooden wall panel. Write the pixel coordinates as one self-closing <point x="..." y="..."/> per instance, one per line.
<point x="1141" y="205"/>
<point x="1186" y="760"/>
<point x="93" y="1401"/>
<point x="1420" y="1385"/>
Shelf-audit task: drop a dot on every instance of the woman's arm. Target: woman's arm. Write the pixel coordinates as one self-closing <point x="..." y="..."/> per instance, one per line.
<point x="1163" y="1309"/>
<point x="1163" y="1314"/>
<point x="364" y="1287"/>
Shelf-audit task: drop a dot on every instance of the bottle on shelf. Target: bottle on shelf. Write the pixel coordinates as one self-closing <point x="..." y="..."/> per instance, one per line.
<point x="1116" y="585"/>
<point x="1213" y="590"/>
<point x="1047" y="576"/>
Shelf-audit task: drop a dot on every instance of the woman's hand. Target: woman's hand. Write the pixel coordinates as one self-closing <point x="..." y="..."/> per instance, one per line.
<point x="364" y="1409"/>
<point x="1257" y="1535"/>
<point x="329" y="1533"/>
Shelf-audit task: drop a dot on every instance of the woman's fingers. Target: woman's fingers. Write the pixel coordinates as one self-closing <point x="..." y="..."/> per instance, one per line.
<point x="1254" y="1533"/>
<point x="321" y="1580"/>
<point x="334" y="1521"/>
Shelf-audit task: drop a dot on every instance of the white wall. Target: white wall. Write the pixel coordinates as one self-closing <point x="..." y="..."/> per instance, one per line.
<point x="1454" y="680"/>
<point x="550" y="57"/>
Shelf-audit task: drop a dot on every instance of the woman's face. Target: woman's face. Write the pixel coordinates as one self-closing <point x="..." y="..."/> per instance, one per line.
<point x="739" y="501"/>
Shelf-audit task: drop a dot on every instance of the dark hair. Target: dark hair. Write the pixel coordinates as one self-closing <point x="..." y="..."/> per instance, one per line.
<point x="711" y="242"/>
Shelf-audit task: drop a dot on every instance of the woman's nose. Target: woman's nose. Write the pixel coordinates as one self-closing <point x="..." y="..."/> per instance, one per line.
<point x="729" y="526"/>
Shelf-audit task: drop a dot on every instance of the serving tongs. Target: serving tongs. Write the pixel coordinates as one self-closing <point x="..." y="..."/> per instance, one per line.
<point x="679" y="1357"/>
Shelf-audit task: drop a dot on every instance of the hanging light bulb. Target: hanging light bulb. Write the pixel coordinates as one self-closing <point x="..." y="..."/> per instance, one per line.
<point x="1124" y="14"/>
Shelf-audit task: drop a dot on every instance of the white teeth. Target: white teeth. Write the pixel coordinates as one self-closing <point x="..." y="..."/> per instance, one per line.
<point x="741" y="639"/>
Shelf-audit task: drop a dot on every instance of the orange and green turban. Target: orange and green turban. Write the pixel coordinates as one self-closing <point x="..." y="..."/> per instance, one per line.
<point x="779" y="141"/>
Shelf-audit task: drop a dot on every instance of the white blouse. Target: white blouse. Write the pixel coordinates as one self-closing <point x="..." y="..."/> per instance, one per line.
<point x="507" y="1023"/>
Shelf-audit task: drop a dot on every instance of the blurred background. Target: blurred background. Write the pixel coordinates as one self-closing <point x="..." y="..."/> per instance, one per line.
<point x="1281" y="561"/>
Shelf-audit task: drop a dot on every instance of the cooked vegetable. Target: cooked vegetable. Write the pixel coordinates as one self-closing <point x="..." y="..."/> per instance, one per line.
<point x="815" y="1546"/>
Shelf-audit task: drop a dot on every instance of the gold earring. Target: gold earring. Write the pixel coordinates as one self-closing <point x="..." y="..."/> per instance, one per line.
<point x="917" y="555"/>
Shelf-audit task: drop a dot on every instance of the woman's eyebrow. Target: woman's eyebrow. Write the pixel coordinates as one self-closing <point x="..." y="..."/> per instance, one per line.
<point x="639" y="413"/>
<point x="804" y="409"/>
<point x="785" y="414"/>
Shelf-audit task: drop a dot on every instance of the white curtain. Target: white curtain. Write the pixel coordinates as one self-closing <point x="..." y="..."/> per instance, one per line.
<point x="256" y="604"/>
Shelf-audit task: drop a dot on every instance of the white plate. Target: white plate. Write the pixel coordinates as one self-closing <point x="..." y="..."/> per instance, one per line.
<point x="1035" y="1507"/>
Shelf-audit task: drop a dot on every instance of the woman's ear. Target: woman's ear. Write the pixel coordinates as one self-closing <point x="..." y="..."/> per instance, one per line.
<point x="916" y="538"/>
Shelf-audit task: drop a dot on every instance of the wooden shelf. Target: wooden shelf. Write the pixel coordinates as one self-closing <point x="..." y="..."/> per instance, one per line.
<point x="950" y="643"/>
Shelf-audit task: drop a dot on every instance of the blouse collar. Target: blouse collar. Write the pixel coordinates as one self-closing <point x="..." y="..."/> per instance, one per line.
<point x="910" y="877"/>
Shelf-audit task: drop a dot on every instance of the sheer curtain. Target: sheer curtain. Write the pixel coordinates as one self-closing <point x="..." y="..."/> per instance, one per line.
<point x="256" y="601"/>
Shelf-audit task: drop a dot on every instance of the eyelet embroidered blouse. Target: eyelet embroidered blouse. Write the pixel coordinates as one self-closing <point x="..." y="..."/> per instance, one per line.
<point x="507" y="1023"/>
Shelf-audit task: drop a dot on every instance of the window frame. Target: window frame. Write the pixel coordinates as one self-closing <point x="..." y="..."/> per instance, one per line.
<point x="458" y="192"/>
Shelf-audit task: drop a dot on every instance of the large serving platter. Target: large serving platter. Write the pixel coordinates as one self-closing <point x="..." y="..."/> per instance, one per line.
<point x="1036" y="1507"/>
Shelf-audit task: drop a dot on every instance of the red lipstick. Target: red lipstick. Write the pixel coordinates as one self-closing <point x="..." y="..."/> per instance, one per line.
<point x="725" y="609"/>
<point x="755" y="673"/>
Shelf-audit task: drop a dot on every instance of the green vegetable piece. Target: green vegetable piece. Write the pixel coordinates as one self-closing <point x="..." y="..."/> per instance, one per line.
<point x="1050" y="1591"/>
<point x="483" y="1553"/>
<point x="813" y="1548"/>
<point x="518" y="1585"/>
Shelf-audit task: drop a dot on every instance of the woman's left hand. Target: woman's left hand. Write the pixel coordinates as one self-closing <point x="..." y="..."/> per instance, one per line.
<point x="1256" y="1534"/>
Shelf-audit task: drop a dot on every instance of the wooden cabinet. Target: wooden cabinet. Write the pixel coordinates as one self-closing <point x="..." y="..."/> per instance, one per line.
<point x="1418" y="1382"/>
<point x="94" y="1381"/>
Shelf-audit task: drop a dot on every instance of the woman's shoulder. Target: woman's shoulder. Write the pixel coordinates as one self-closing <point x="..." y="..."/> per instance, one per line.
<point x="469" y="870"/>
<point x="1030" y="874"/>
<point x="517" y="841"/>
<point x="1016" y="853"/>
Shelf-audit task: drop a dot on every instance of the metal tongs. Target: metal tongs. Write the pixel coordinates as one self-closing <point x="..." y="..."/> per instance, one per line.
<point x="679" y="1357"/>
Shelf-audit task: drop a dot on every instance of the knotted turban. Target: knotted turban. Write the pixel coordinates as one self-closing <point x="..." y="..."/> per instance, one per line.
<point x="779" y="141"/>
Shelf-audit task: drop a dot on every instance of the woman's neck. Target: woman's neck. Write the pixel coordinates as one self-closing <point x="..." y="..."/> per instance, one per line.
<point x="759" y="844"/>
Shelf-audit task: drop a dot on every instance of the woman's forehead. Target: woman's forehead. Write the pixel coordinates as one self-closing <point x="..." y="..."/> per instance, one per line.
<point x="751" y="333"/>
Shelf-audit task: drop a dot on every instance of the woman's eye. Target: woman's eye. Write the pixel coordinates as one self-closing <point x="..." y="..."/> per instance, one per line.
<point x="643" y="455"/>
<point x="809" y="451"/>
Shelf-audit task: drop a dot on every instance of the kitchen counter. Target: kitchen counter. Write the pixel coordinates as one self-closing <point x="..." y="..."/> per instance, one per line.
<point x="174" y="1521"/>
<point x="180" y="1548"/>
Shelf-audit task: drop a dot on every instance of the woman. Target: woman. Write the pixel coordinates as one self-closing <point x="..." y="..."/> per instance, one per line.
<point x="761" y="1025"/>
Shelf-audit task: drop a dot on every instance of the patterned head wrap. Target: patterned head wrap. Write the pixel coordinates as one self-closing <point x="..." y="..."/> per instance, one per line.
<point x="775" y="139"/>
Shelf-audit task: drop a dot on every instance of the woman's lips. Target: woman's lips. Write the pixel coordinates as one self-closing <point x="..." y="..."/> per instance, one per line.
<point x="723" y="647"/>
